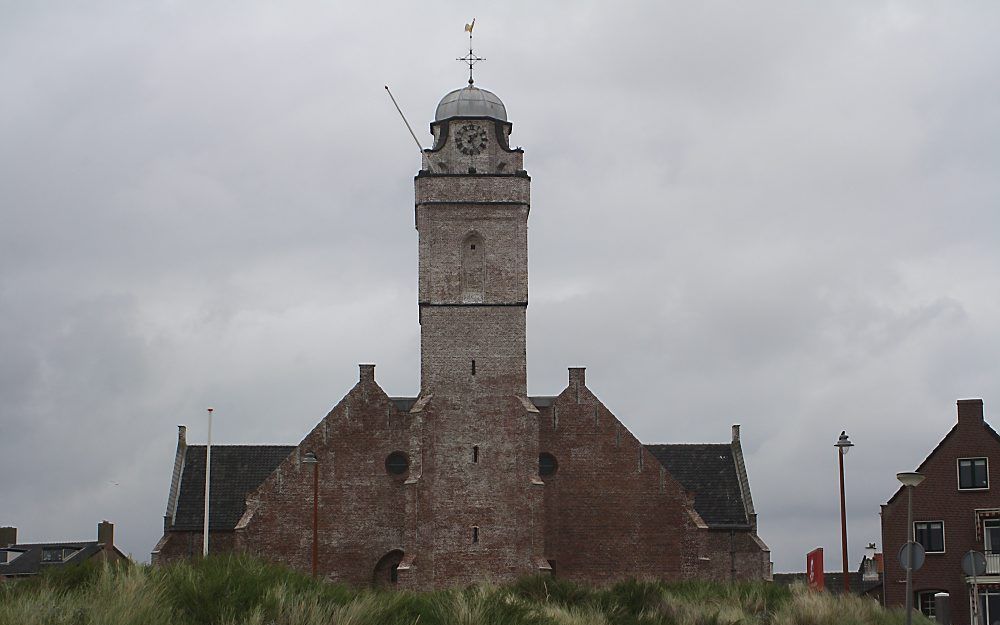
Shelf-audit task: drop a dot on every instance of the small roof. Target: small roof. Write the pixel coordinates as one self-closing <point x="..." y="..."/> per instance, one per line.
<point x="709" y="471"/>
<point x="470" y="101"/>
<point x="236" y="470"/>
<point x="31" y="560"/>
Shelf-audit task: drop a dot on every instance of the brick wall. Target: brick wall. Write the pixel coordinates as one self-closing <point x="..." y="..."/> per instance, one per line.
<point x="178" y="546"/>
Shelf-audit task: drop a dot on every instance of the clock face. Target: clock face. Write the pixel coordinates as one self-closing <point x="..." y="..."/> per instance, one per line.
<point x="470" y="139"/>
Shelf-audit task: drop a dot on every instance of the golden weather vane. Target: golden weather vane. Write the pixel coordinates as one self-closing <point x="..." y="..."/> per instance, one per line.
<point x="470" y="58"/>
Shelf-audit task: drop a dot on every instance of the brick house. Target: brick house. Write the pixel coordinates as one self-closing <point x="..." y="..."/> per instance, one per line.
<point x="472" y="479"/>
<point x="955" y="509"/>
<point x="27" y="559"/>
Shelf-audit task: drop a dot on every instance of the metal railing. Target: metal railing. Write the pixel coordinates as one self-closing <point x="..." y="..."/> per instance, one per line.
<point x="992" y="563"/>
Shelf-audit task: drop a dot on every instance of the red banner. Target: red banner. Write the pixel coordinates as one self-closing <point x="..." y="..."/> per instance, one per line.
<point x="814" y="568"/>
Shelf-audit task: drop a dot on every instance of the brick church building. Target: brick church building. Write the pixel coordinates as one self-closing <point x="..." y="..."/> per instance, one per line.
<point x="472" y="479"/>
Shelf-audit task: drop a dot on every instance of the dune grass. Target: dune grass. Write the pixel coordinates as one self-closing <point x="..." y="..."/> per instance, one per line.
<point x="234" y="590"/>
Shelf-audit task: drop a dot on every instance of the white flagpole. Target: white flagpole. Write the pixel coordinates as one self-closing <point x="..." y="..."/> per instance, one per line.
<point x="208" y="476"/>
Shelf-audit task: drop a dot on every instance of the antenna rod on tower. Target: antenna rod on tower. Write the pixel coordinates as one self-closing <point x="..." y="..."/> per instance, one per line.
<point x="412" y="134"/>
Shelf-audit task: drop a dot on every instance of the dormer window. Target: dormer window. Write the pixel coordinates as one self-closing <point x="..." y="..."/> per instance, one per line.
<point x="58" y="554"/>
<point x="8" y="555"/>
<point x="973" y="474"/>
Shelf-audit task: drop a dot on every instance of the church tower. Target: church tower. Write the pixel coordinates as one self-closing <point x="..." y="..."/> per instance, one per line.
<point x="472" y="198"/>
<point x="480" y="480"/>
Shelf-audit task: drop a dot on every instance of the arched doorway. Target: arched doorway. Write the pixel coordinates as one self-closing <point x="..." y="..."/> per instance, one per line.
<point x="386" y="570"/>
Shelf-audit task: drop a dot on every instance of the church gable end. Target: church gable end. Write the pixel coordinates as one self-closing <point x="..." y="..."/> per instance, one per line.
<point x="611" y="510"/>
<point x="365" y="454"/>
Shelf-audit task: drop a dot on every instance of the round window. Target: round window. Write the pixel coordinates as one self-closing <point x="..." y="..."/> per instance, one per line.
<point x="547" y="464"/>
<point x="396" y="463"/>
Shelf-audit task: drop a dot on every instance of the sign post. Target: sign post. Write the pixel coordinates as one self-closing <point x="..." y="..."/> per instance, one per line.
<point x="974" y="565"/>
<point x="814" y="568"/>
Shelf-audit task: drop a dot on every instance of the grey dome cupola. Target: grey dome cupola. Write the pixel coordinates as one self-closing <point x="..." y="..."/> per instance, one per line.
<point x="470" y="101"/>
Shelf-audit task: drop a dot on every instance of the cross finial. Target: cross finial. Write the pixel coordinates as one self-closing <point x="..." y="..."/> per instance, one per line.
<point x="470" y="58"/>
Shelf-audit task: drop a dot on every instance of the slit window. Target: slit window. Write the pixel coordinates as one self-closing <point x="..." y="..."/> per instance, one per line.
<point x="475" y="453"/>
<point x="473" y="366"/>
<point x="473" y="270"/>
<point x="475" y="534"/>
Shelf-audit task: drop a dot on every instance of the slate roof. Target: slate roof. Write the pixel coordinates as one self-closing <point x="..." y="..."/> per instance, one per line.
<point x="30" y="560"/>
<point x="236" y="470"/>
<point x="708" y="471"/>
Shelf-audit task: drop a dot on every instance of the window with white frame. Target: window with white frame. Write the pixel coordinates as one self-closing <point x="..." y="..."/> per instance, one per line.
<point x="973" y="474"/>
<point x="930" y="534"/>
<point x="925" y="602"/>
<point x="989" y="606"/>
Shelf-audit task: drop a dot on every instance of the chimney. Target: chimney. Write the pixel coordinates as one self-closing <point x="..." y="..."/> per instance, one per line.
<point x="970" y="411"/>
<point x="8" y="536"/>
<point x="106" y="533"/>
<point x="578" y="376"/>
<point x="367" y="373"/>
<point x="182" y="435"/>
<point x="736" y="432"/>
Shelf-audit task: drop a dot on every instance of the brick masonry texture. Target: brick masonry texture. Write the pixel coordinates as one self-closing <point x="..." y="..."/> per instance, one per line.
<point x="472" y="506"/>
<point x="938" y="498"/>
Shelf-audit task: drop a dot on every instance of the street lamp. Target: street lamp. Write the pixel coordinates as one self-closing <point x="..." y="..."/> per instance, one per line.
<point x="310" y="458"/>
<point x="843" y="446"/>
<point x="208" y="476"/>
<point x="910" y="480"/>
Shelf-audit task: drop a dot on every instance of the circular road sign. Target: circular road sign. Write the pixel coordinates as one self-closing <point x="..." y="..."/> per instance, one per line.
<point x="916" y="550"/>
<point x="974" y="563"/>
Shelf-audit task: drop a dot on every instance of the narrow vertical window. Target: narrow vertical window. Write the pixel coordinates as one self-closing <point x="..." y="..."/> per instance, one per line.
<point x="473" y="269"/>
<point x="475" y="534"/>
<point x="473" y="366"/>
<point x="475" y="453"/>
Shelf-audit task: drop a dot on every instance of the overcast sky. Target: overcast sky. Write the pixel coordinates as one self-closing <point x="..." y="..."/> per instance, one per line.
<point x="781" y="214"/>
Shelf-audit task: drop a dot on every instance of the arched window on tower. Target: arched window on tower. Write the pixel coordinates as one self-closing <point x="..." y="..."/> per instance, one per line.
<point x="473" y="269"/>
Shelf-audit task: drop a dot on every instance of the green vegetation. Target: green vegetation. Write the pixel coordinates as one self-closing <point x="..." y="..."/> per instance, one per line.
<point x="244" y="591"/>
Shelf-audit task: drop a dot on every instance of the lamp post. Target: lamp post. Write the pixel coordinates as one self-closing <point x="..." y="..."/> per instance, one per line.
<point x="843" y="445"/>
<point x="310" y="458"/>
<point x="910" y="480"/>
<point x="208" y="477"/>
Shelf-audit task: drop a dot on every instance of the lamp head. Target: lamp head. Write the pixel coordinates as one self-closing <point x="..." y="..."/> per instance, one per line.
<point x="910" y="478"/>
<point x="843" y="443"/>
